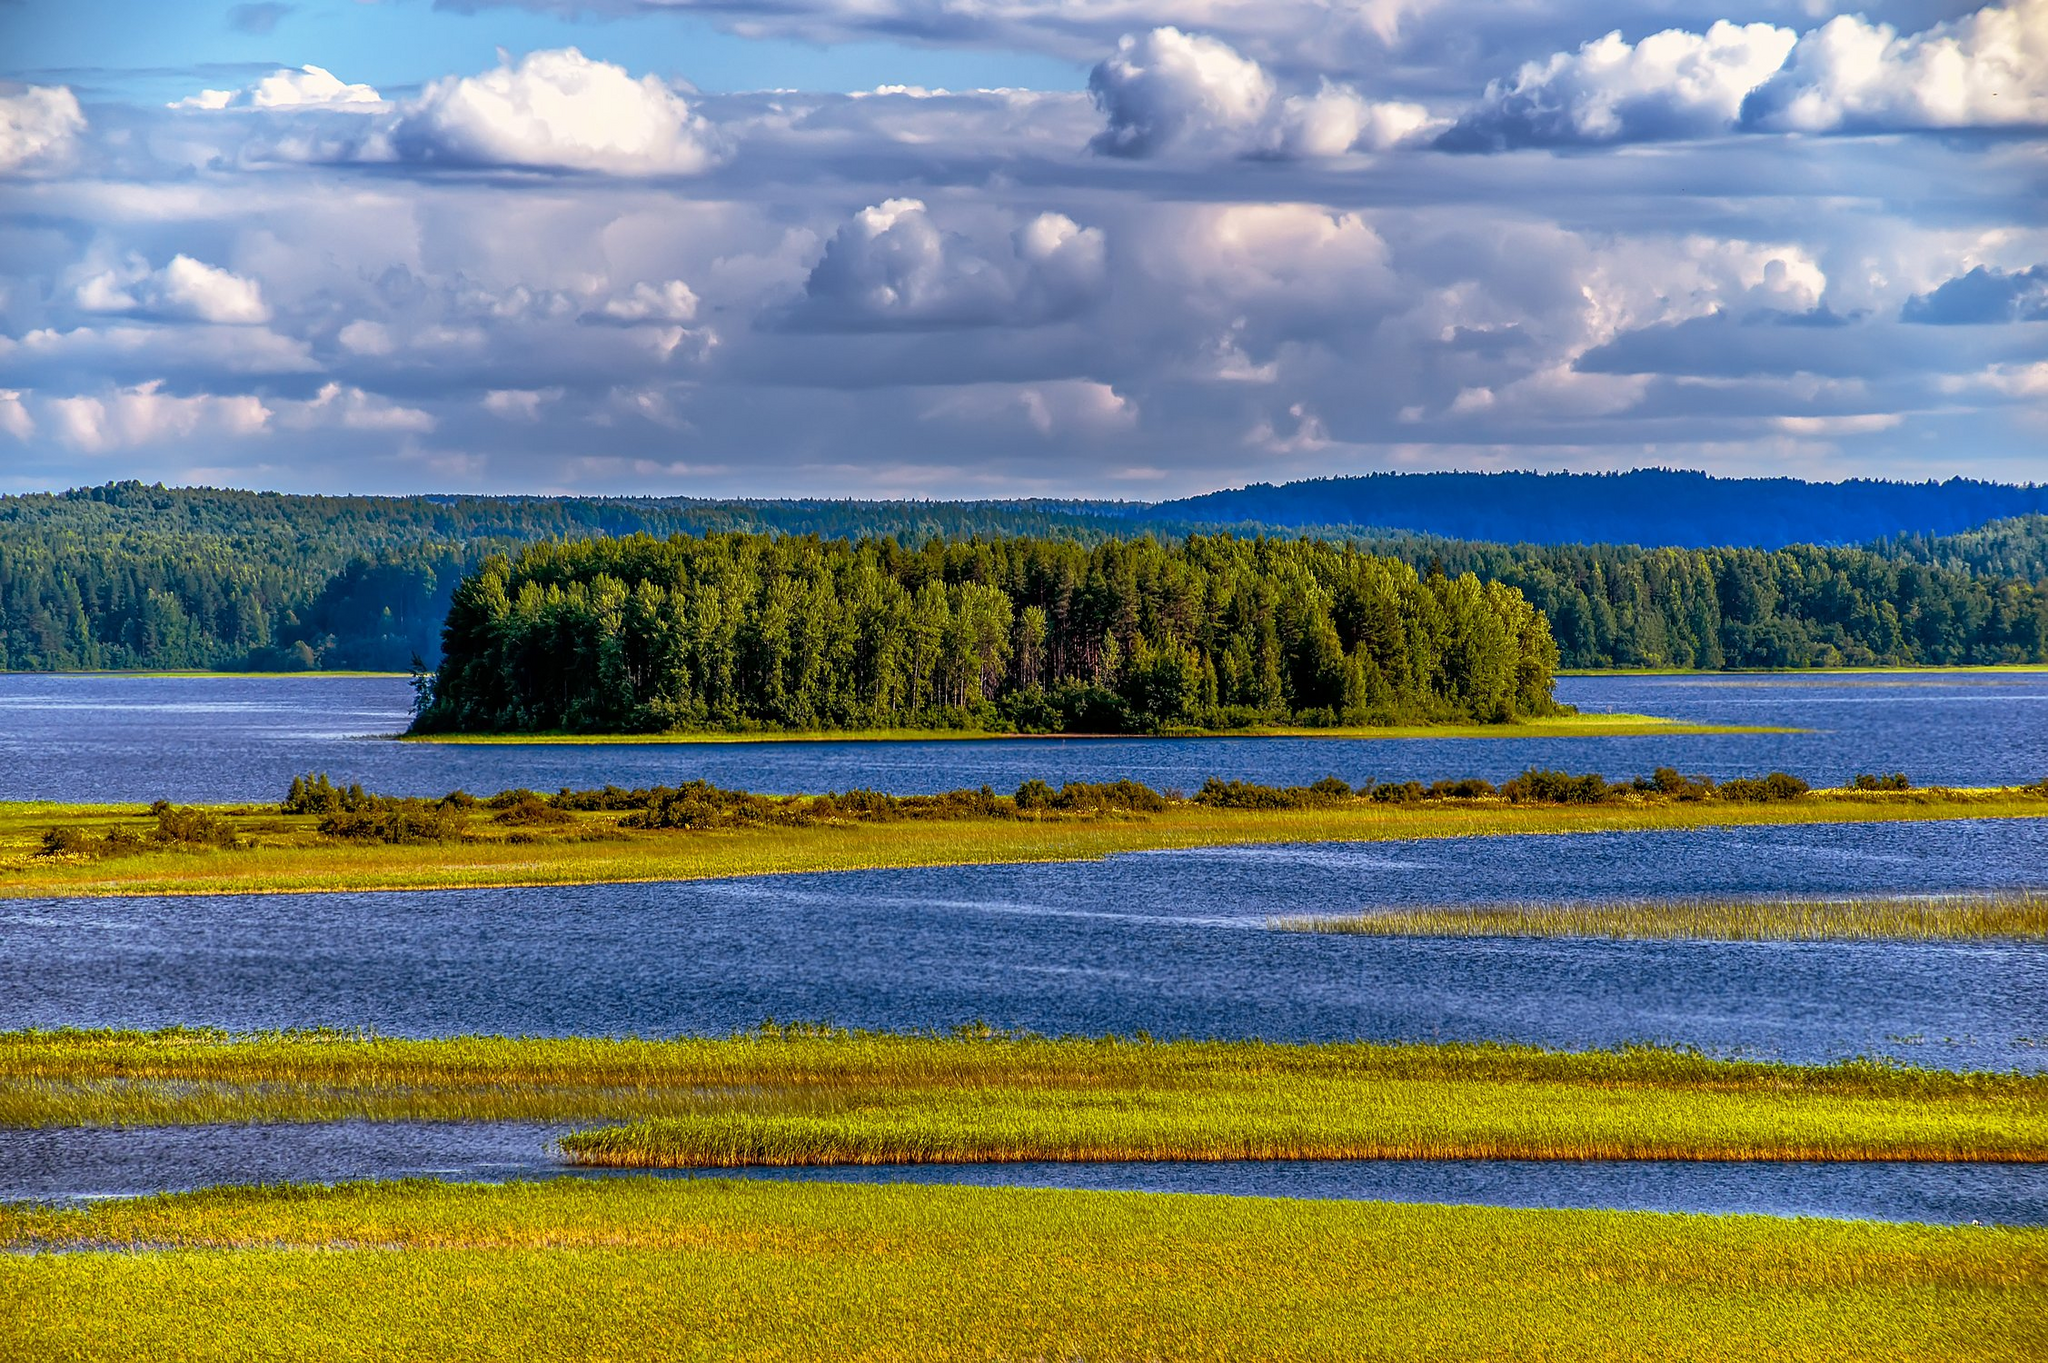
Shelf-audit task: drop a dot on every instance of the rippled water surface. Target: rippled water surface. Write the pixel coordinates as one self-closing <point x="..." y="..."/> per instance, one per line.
<point x="70" y="1165"/>
<point x="224" y="739"/>
<point x="1176" y="944"/>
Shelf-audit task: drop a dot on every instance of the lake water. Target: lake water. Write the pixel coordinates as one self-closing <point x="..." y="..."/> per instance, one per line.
<point x="1176" y="944"/>
<point x="81" y="1164"/>
<point x="232" y="739"/>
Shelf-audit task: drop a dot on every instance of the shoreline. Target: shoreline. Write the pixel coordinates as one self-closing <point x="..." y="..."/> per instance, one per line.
<point x="1595" y="725"/>
<point x="593" y="850"/>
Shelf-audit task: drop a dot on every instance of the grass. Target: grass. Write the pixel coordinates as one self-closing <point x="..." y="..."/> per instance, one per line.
<point x="1559" y="726"/>
<point x="289" y="856"/>
<point x="1938" y="668"/>
<point x="2019" y="916"/>
<point x="635" y="1269"/>
<point x="809" y="1096"/>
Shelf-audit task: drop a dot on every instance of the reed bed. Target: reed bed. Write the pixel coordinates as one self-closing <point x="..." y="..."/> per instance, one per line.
<point x="634" y="1269"/>
<point x="2016" y="916"/>
<point x="289" y="857"/>
<point x="798" y="1096"/>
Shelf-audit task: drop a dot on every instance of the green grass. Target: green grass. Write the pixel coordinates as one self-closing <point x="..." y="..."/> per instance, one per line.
<point x="289" y="856"/>
<point x="809" y="1096"/>
<point x="634" y="1269"/>
<point x="2020" y="916"/>
<point x="1559" y="726"/>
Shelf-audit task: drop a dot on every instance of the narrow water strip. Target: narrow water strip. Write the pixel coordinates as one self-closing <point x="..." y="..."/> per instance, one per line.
<point x="80" y="1164"/>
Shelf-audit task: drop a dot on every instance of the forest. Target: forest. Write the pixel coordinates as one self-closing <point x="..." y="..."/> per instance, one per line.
<point x="133" y="576"/>
<point x="738" y="632"/>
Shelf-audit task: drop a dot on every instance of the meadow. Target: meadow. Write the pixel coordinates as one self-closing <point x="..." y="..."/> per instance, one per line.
<point x="2018" y="916"/>
<point x="817" y="1096"/>
<point x="269" y="852"/>
<point x="633" y="1269"/>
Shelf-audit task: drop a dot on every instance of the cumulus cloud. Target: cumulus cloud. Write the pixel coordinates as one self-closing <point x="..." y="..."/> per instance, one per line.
<point x="352" y="409"/>
<point x="185" y="288"/>
<point x="673" y="301"/>
<point x="1062" y="408"/>
<point x="1166" y="90"/>
<point x="891" y="266"/>
<point x="1987" y="69"/>
<point x="1985" y="294"/>
<point x="38" y="123"/>
<point x="14" y="417"/>
<point x="552" y="110"/>
<point x="144" y="414"/>
<point x="1671" y="84"/>
<point x="309" y="87"/>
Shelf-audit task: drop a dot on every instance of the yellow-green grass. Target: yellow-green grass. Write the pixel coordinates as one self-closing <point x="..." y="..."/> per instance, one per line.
<point x="633" y="1269"/>
<point x="809" y="1096"/>
<point x="2017" y="916"/>
<point x="1599" y="725"/>
<point x="289" y="856"/>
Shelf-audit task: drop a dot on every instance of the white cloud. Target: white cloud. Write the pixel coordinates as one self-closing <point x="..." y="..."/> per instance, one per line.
<point x="1986" y="69"/>
<point x="14" y="417"/>
<point x="555" y="110"/>
<point x="1064" y="408"/>
<point x="1167" y="90"/>
<point x="352" y="409"/>
<point x="145" y="415"/>
<point x="38" y="123"/>
<point x="1857" y="423"/>
<point x="184" y="288"/>
<point x="670" y="302"/>
<point x="366" y="338"/>
<point x="309" y="87"/>
<point x="520" y="404"/>
<point x="891" y="265"/>
<point x="1671" y="84"/>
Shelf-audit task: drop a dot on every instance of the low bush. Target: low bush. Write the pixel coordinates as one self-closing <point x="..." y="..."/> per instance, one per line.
<point x="184" y="826"/>
<point x="532" y="812"/>
<point x="1752" y="790"/>
<point x="1865" y="781"/>
<point x="399" y="822"/>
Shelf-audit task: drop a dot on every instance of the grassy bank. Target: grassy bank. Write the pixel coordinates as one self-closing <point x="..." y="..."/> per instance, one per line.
<point x="283" y="854"/>
<point x="808" y="1096"/>
<point x="1559" y="726"/>
<point x="2016" y="917"/>
<point x="636" y="1269"/>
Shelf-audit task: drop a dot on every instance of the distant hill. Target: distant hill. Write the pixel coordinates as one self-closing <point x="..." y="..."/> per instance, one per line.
<point x="1645" y="506"/>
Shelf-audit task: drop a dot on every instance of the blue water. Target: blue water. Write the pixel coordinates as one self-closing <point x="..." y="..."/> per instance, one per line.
<point x="87" y="1163"/>
<point x="1176" y="944"/>
<point x="231" y="739"/>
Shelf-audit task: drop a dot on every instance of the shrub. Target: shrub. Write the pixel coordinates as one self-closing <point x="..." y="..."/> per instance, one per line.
<point x="184" y="826"/>
<point x="399" y="822"/>
<point x="1667" y="782"/>
<point x="315" y="794"/>
<point x="1559" y="788"/>
<point x="68" y="842"/>
<point x="1470" y="788"/>
<point x="530" y="812"/>
<point x="1751" y="790"/>
<point x="1034" y="795"/>
<point x="1866" y="781"/>
<point x="1398" y="793"/>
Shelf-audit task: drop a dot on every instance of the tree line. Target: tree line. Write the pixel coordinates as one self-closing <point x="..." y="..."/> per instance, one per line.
<point x="135" y="576"/>
<point x="735" y="632"/>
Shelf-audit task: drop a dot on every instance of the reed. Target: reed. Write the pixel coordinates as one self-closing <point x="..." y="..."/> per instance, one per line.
<point x="2016" y="916"/>
<point x="284" y="854"/>
<point x="814" y="1096"/>
<point x="633" y="1269"/>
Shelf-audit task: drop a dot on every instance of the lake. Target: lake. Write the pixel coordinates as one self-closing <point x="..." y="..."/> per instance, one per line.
<point x="227" y="739"/>
<point x="1173" y="943"/>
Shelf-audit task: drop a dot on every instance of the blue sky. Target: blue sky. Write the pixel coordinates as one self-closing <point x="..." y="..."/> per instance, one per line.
<point x="1016" y="247"/>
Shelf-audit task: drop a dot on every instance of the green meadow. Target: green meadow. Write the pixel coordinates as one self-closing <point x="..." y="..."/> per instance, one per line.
<point x="2018" y="916"/>
<point x="276" y="853"/>
<point x="815" y="1096"/>
<point x="634" y="1269"/>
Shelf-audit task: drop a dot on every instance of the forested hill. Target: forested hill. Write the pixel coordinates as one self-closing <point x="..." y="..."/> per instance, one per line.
<point x="1644" y="506"/>
<point x="736" y="632"/>
<point x="128" y="576"/>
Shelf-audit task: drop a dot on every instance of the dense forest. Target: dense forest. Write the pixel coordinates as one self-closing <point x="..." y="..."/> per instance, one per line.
<point x="1042" y="635"/>
<point x="1643" y="506"/>
<point x="132" y="576"/>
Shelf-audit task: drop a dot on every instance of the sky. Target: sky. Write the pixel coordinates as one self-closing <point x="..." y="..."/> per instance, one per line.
<point x="1015" y="248"/>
